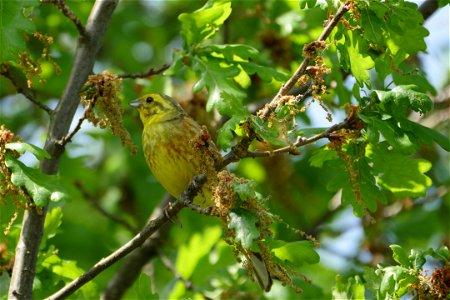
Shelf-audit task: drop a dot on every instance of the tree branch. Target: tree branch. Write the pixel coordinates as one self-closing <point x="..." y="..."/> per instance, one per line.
<point x="348" y="123"/>
<point x="128" y="271"/>
<point x="169" y="212"/>
<point x="104" y="212"/>
<point x="428" y="8"/>
<point x="23" y="89"/>
<point x="65" y="9"/>
<point x="149" y="72"/>
<point x="33" y="221"/>
<point x="285" y="88"/>
<point x="240" y="150"/>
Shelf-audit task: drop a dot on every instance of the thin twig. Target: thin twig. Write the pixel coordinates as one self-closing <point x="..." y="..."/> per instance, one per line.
<point x="65" y="9"/>
<point x="77" y="128"/>
<point x="285" y="88"/>
<point x="23" y="89"/>
<point x="149" y="72"/>
<point x="240" y="150"/>
<point x="104" y="212"/>
<point x="171" y="211"/>
<point x="301" y="141"/>
<point x="201" y="210"/>
<point x="128" y="271"/>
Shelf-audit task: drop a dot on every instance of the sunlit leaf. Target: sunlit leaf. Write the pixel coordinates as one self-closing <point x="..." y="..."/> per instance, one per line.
<point x="203" y="23"/>
<point x="40" y="186"/>
<point x="199" y="245"/>
<point x="243" y="223"/>
<point x="24" y="147"/>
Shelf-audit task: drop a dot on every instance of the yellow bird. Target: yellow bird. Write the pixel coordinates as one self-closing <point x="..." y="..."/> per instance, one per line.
<point x="176" y="152"/>
<point x="169" y="141"/>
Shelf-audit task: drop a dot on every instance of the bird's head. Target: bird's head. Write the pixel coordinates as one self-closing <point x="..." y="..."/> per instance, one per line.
<point x="155" y="108"/>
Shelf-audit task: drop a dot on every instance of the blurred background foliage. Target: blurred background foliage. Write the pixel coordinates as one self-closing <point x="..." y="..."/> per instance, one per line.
<point x="98" y="171"/>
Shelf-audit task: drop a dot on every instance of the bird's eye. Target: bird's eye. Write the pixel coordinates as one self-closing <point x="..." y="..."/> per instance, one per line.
<point x="149" y="99"/>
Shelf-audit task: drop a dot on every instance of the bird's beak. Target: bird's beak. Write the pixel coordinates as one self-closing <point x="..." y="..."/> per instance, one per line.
<point x="135" y="103"/>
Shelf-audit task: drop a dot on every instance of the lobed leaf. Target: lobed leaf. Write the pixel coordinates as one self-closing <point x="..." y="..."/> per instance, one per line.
<point x="203" y="23"/>
<point x="226" y="133"/>
<point x="216" y="78"/>
<point x="243" y="223"/>
<point x="231" y="106"/>
<point x="266" y="132"/>
<point x="355" y="50"/>
<point x="400" y="99"/>
<point x="402" y="175"/>
<point x="245" y="190"/>
<point x="400" y="256"/>
<point x="40" y="186"/>
<point x="24" y="147"/>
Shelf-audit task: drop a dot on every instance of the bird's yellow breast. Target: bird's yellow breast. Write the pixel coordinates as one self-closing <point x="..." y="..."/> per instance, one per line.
<point x="170" y="154"/>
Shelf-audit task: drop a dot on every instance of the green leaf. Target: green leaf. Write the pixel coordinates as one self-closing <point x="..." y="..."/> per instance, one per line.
<point x="216" y="78"/>
<point x="40" y="186"/>
<point x="409" y="75"/>
<point x="199" y="245"/>
<point x="243" y="223"/>
<point x="406" y="32"/>
<point x="231" y="106"/>
<point x="360" y="62"/>
<point x="68" y="271"/>
<point x="322" y="155"/>
<point x="53" y="220"/>
<point x="232" y="52"/>
<point x="236" y="54"/>
<point x="417" y="257"/>
<point x="225" y="133"/>
<point x="245" y="190"/>
<point x="396" y="26"/>
<point x="305" y="4"/>
<point x="24" y="147"/>
<point x="402" y="175"/>
<point x="372" y="279"/>
<point x="400" y="255"/>
<point x="425" y="134"/>
<point x="204" y="22"/>
<point x="372" y="20"/>
<point x="391" y="275"/>
<point x="442" y="253"/>
<point x="13" y="24"/>
<point x="353" y="289"/>
<point x="401" y="98"/>
<point x="265" y="73"/>
<point x="297" y="253"/>
<point x="391" y="132"/>
<point x="267" y="133"/>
